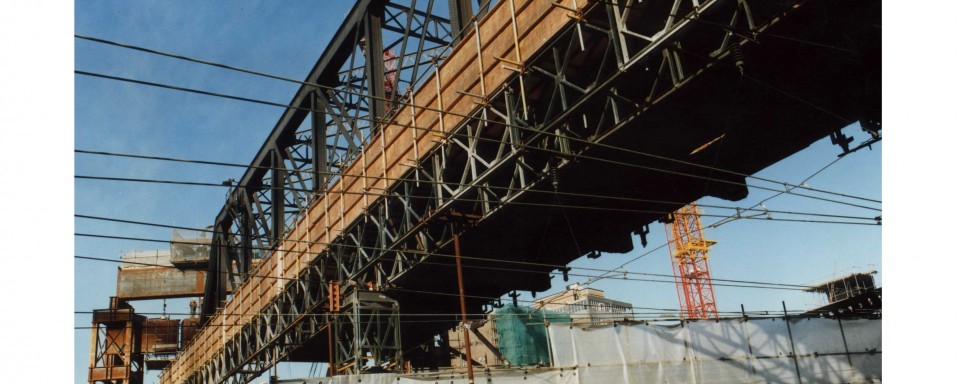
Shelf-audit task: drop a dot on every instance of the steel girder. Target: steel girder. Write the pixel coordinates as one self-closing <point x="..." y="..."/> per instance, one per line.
<point x="298" y="160"/>
<point x="283" y="326"/>
<point x="513" y="144"/>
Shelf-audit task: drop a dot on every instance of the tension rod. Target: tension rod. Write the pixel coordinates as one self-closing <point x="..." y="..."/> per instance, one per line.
<point x="463" y="308"/>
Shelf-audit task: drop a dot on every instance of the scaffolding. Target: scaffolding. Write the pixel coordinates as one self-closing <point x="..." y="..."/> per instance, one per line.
<point x="522" y="332"/>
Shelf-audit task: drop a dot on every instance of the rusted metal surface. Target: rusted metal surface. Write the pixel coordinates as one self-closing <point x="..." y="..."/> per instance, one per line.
<point x="189" y="329"/>
<point x="115" y="355"/>
<point x="160" y="336"/>
<point x="158" y="283"/>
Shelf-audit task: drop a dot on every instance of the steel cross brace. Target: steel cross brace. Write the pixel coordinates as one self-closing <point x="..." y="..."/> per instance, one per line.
<point x="479" y="170"/>
<point x="297" y="162"/>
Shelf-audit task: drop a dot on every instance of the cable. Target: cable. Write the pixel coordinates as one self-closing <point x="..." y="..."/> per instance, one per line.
<point x="457" y="184"/>
<point x="601" y="317"/>
<point x="500" y="203"/>
<point x="455" y="316"/>
<point x="720" y="222"/>
<point x="404" y="104"/>
<point x="731" y="218"/>
<point x="452" y="133"/>
<point x="427" y="262"/>
<point x="552" y="266"/>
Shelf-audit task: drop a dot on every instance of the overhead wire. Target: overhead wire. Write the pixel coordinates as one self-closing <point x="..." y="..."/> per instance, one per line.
<point x="411" y="104"/>
<point x="781" y="192"/>
<point x="760" y="203"/>
<point x="643" y="317"/>
<point x="722" y="221"/>
<point x="871" y="220"/>
<point x="455" y="317"/>
<point x="760" y="285"/>
<point x="485" y="139"/>
<point x="441" y="255"/>
<point x="450" y="183"/>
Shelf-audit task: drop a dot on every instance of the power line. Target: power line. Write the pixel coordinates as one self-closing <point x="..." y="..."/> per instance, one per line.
<point x="834" y="161"/>
<point x="552" y="266"/>
<point x="451" y="183"/>
<point x="639" y="310"/>
<point x="431" y="263"/>
<point x="500" y="203"/>
<point x="452" y="133"/>
<point x="412" y="105"/>
<point x="760" y="284"/>
<point x="649" y="317"/>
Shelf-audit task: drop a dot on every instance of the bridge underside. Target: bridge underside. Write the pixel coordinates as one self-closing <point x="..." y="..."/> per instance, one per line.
<point x="813" y="92"/>
<point x="658" y="78"/>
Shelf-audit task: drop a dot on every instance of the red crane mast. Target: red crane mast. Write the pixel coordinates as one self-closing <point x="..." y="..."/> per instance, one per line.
<point x="689" y="255"/>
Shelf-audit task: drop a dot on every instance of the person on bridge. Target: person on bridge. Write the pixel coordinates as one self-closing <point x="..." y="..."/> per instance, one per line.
<point x="389" y="68"/>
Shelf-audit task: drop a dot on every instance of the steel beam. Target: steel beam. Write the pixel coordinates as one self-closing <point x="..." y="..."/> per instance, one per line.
<point x="574" y="103"/>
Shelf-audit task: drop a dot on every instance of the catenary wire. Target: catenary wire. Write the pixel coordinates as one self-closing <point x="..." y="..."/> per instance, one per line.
<point x="553" y="266"/>
<point x="486" y="139"/>
<point x="425" y="262"/>
<point x="415" y="106"/>
<point x="453" y="183"/>
<point x="834" y="161"/>
<point x="731" y="218"/>
<point x="499" y="203"/>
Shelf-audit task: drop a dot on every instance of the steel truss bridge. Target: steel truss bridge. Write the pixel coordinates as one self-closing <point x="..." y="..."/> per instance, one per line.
<point x="484" y="122"/>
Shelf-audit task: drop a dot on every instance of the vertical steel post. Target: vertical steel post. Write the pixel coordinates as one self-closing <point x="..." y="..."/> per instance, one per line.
<point x="318" y="132"/>
<point x="246" y="236"/>
<point x="793" y="349"/>
<point x="374" y="67"/>
<point x="277" y="179"/>
<point x="746" y="336"/>
<point x="460" y="14"/>
<point x="843" y="336"/>
<point x="463" y="307"/>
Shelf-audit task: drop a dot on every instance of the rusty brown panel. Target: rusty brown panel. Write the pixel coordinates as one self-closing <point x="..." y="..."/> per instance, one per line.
<point x="159" y="336"/>
<point x="158" y="283"/>
<point x="111" y="315"/>
<point x="109" y="373"/>
<point x="190" y="328"/>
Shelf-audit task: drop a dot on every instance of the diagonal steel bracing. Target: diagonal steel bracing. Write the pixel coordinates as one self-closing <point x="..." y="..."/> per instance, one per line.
<point x="611" y="64"/>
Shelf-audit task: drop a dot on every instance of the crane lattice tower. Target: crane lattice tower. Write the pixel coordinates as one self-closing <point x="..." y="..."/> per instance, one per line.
<point x="689" y="255"/>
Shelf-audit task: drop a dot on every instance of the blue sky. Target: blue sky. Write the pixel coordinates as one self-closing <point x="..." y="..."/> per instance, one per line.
<point x="286" y="40"/>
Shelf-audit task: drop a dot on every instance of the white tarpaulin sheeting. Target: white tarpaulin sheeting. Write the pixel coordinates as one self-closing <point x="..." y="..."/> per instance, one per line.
<point x="725" y="351"/>
<point x="528" y="375"/>
<point x="728" y="351"/>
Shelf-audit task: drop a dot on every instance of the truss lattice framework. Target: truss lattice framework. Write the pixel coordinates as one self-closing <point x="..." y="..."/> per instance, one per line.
<point x="301" y="158"/>
<point x="563" y="98"/>
<point x="689" y="256"/>
<point x="115" y="356"/>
